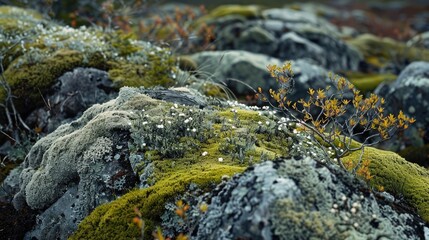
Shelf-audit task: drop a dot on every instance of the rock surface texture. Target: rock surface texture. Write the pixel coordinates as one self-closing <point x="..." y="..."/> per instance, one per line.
<point x="290" y="35"/>
<point x="301" y="199"/>
<point x="241" y="69"/>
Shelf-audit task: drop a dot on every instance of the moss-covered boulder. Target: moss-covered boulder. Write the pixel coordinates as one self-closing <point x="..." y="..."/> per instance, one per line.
<point x="404" y="179"/>
<point x="301" y="199"/>
<point x="37" y="52"/>
<point x="386" y="53"/>
<point x="138" y="141"/>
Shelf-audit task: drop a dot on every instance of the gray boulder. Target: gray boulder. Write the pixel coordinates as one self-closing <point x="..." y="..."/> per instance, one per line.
<point x="301" y="199"/>
<point x="410" y="92"/>
<point x="73" y="93"/>
<point x="290" y="35"/>
<point x="240" y="70"/>
<point x="298" y="21"/>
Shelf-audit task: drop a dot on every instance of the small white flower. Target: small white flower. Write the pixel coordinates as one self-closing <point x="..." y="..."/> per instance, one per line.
<point x="182" y="115"/>
<point x="259" y="123"/>
<point x="169" y="122"/>
<point x="356" y="225"/>
<point x="233" y="127"/>
<point x="186" y="120"/>
<point x="204" y="154"/>
<point x="144" y="123"/>
<point x="374" y="216"/>
<point x="267" y="122"/>
<point x="353" y="210"/>
<point x="344" y="198"/>
<point x="175" y="105"/>
<point x="160" y="126"/>
<point x="333" y="210"/>
<point x="295" y="131"/>
<point x="144" y="144"/>
<point x="194" y="130"/>
<point x="187" y="129"/>
<point x="335" y="206"/>
<point x="220" y="159"/>
<point x="335" y="160"/>
<point x="129" y="123"/>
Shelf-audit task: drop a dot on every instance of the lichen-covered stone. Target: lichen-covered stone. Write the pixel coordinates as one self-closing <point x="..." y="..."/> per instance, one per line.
<point x="287" y="34"/>
<point x="301" y="199"/>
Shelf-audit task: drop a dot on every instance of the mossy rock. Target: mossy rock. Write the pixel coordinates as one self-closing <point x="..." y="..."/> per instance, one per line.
<point x="114" y="220"/>
<point x="247" y="11"/>
<point x="30" y="81"/>
<point x="11" y="17"/>
<point x="199" y="164"/>
<point x="367" y="82"/>
<point x="419" y="155"/>
<point x="147" y="75"/>
<point x="36" y="59"/>
<point x="398" y="176"/>
<point x="379" y="52"/>
<point x="243" y="11"/>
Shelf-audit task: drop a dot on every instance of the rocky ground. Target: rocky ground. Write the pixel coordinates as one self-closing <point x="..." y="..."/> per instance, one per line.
<point x="142" y="123"/>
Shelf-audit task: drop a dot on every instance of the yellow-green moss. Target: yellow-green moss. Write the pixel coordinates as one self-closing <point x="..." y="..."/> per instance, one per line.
<point x="381" y="51"/>
<point x="30" y="80"/>
<point x="154" y="73"/>
<point x="11" y="11"/>
<point x="242" y="10"/>
<point x="114" y="220"/>
<point x="398" y="176"/>
<point x="246" y="11"/>
<point x="270" y="146"/>
<point x="368" y="82"/>
<point x="173" y="175"/>
<point x="50" y="50"/>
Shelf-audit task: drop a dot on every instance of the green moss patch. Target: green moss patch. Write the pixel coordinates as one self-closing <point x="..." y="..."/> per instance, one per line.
<point x="379" y="52"/>
<point x="183" y="145"/>
<point x="114" y="220"/>
<point x="30" y="80"/>
<point x="399" y="177"/>
<point x="368" y="82"/>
